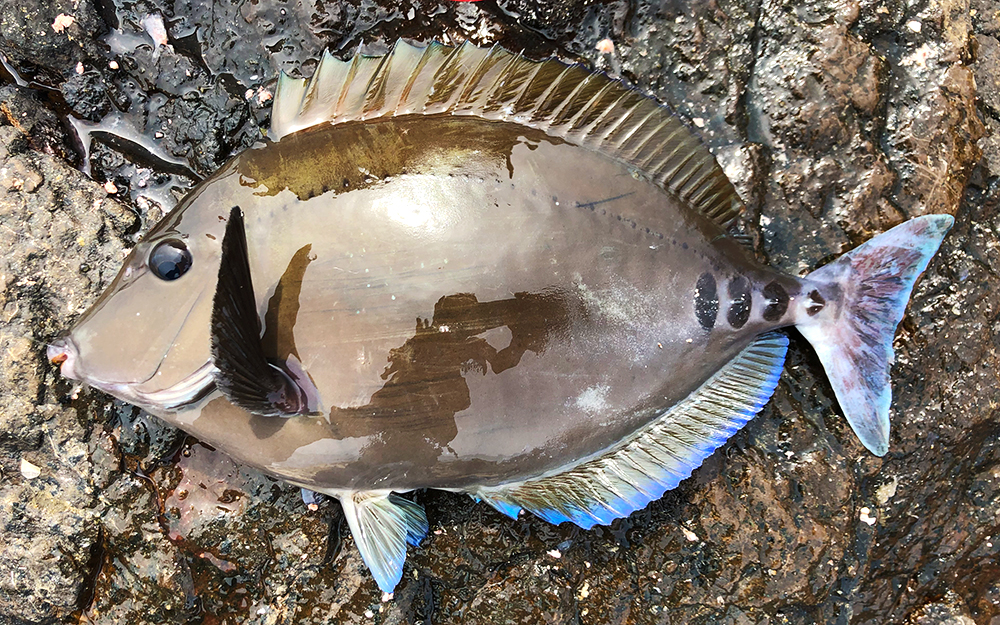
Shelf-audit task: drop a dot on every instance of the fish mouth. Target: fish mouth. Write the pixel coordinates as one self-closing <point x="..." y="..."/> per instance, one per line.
<point x="65" y="353"/>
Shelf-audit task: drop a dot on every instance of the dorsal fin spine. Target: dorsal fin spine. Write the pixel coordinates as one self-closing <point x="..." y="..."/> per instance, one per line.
<point x="312" y="93"/>
<point x="574" y="123"/>
<point x="593" y="125"/>
<point x="668" y="153"/>
<point x="626" y="115"/>
<point x="404" y="94"/>
<point x="375" y="91"/>
<point x="651" y="134"/>
<point x="704" y="192"/>
<point x="481" y="68"/>
<point x="374" y="95"/>
<point x="445" y="78"/>
<point x="580" y="87"/>
<point x="507" y="74"/>
<point x="645" y="153"/>
<point x="677" y="169"/>
<point x="635" y="128"/>
<point x="516" y="103"/>
<point x="350" y="75"/>
<point x="682" y="183"/>
<point x="544" y="96"/>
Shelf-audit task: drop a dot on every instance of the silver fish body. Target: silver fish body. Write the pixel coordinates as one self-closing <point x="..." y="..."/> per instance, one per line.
<point x="476" y="304"/>
<point x="489" y="314"/>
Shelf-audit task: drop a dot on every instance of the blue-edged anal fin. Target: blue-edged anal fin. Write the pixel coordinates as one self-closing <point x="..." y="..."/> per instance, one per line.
<point x="656" y="458"/>
<point x="382" y="524"/>
<point x="244" y="374"/>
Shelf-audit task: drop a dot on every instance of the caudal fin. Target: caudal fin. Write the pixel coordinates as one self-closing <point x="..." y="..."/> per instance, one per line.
<point x="854" y="341"/>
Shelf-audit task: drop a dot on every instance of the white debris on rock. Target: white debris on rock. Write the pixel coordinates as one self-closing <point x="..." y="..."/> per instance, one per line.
<point x="29" y="471"/>
<point x="62" y="22"/>
<point x="865" y="518"/>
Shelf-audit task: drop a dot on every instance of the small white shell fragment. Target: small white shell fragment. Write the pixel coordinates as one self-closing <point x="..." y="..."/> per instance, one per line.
<point x="863" y="516"/>
<point x="555" y="553"/>
<point x="62" y="22"/>
<point x="29" y="471"/>
<point x="699" y="122"/>
<point x="154" y="27"/>
<point x="691" y="536"/>
<point x="79" y="68"/>
<point x="605" y="46"/>
<point x="914" y="26"/>
<point x="110" y="187"/>
<point x="386" y="596"/>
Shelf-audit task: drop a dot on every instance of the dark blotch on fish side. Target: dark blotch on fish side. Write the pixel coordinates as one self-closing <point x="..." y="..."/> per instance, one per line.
<point x="706" y="301"/>
<point x="266" y="427"/>
<point x="777" y="301"/>
<point x="739" y="311"/>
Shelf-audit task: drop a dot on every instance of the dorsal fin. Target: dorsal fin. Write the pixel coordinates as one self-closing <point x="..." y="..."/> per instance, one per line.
<point x="565" y="101"/>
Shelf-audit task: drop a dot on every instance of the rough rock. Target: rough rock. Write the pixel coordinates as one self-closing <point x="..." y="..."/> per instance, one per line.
<point x="59" y="234"/>
<point x="50" y="37"/>
<point x="836" y="119"/>
<point x="87" y="95"/>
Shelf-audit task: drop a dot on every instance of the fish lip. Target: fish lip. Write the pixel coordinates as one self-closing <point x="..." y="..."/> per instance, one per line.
<point x="187" y="392"/>
<point x="64" y="352"/>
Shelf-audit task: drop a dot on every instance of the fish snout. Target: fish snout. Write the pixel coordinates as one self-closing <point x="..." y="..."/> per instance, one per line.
<point x="63" y="352"/>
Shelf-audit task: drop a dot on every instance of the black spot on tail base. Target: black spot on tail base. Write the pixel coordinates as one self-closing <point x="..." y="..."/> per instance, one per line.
<point x="777" y="301"/>
<point x="739" y="310"/>
<point x="706" y="301"/>
<point x="816" y="303"/>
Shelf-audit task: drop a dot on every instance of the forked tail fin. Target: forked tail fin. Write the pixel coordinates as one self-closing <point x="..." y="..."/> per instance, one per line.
<point x="854" y="340"/>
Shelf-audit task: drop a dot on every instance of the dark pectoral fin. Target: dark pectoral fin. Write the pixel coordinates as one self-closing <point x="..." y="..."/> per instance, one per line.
<point x="244" y="375"/>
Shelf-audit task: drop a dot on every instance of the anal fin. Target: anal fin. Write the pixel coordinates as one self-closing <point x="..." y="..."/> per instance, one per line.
<point x="244" y="374"/>
<point x="658" y="457"/>
<point x="382" y="524"/>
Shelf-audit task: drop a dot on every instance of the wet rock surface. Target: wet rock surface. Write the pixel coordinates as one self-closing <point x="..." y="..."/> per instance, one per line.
<point x="836" y="119"/>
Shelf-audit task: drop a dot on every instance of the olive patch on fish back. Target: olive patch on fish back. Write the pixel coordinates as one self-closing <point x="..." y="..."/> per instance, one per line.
<point x="739" y="310"/>
<point x="706" y="301"/>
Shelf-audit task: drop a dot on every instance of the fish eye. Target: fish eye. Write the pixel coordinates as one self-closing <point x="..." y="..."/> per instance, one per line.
<point x="170" y="259"/>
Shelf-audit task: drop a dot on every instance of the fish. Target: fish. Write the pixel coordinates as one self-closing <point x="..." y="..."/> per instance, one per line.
<point x="458" y="268"/>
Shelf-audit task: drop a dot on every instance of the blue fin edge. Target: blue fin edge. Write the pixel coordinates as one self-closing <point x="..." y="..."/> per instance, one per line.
<point x="657" y="458"/>
<point x="382" y="524"/>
